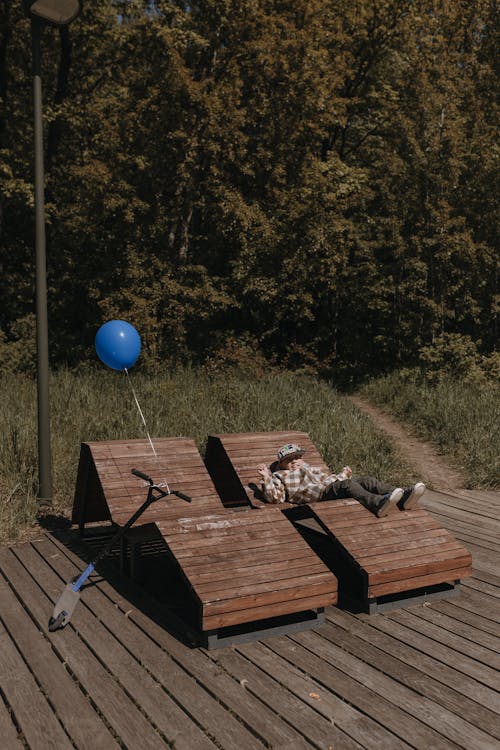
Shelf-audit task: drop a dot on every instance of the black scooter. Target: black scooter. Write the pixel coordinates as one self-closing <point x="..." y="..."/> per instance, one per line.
<point x="68" y="600"/>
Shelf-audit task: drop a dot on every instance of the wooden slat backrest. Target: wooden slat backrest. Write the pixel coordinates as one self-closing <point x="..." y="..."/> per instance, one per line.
<point x="106" y="489"/>
<point x="232" y="460"/>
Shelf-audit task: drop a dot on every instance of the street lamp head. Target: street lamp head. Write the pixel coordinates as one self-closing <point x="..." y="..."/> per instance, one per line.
<point x="55" y="12"/>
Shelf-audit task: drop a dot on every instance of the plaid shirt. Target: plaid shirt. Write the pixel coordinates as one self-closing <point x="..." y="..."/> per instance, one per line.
<point x="304" y="485"/>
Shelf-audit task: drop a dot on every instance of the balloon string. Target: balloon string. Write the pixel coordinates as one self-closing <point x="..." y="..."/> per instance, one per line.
<point x="165" y="483"/>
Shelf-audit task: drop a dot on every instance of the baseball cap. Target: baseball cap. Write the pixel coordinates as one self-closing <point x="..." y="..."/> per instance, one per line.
<point x="290" y="450"/>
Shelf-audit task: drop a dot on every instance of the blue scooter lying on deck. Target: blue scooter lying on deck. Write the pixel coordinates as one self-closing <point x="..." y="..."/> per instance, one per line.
<point x="70" y="597"/>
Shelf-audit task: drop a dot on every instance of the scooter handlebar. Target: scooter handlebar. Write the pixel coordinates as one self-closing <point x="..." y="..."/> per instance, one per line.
<point x="172" y="492"/>
<point x="141" y="475"/>
<point x="181" y="495"/>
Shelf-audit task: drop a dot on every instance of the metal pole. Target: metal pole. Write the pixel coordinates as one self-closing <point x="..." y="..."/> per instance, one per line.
<point x="42" y="338"/>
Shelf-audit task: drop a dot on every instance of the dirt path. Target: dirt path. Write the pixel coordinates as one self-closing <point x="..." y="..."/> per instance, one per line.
<point x="423" y="456"/>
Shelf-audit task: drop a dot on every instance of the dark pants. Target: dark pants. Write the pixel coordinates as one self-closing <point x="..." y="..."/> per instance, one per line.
<point x="367" y="490"/>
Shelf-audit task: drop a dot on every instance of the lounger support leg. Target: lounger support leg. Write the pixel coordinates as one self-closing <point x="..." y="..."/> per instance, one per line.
<point x="123" y="554"/>
<point x="133" y="568"/>
<point x="81" y="519"/>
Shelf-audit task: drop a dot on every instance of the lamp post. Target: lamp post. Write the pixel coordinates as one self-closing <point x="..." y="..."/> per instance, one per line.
<point x="53" y="13"/>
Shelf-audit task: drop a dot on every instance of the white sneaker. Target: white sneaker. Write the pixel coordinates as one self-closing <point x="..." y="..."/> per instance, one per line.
<point x="411" y="496"/>
<point x="389" y="502"/>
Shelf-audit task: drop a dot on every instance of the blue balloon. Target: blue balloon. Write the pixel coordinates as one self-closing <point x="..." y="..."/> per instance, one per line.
<point x="118" y="344"/>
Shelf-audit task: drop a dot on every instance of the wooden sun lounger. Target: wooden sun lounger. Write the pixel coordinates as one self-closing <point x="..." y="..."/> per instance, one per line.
<point x="405" y="557"/>
<point x="249" y="574"/>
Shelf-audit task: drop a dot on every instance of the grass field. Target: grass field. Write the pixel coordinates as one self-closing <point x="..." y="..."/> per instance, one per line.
<point x="460" y="417"/>
<point x="100" y="406"/>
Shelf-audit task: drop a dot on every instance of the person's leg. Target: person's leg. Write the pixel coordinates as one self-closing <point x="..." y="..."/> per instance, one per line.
<point x="375" y="486"/>
<point x="411" y="495"/>
<point x="359" y="490"/>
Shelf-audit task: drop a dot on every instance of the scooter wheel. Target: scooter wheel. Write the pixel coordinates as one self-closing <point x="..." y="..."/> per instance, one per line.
<point x="55" y="623"/>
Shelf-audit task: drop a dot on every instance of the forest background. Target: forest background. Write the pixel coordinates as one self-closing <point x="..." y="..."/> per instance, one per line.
<point x="306" y="184"/>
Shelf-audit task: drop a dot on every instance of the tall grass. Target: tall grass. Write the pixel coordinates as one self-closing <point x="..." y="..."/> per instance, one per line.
<point x="100" y="406"/>
<point x="460" y="417"/>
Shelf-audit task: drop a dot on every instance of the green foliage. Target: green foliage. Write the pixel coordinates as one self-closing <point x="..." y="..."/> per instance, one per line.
<point x="316" y="176"/>
<point x="457" y="357"/>
<point x="460" y="415"/>
<point x="99" y="405"/>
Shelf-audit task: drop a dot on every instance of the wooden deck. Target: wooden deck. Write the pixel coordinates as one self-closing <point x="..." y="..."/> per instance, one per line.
<point x="123" y="673"/>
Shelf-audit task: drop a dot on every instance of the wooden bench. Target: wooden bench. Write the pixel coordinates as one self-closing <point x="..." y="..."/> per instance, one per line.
<point x="249" y="574"/>
<point x="405" y="557"/>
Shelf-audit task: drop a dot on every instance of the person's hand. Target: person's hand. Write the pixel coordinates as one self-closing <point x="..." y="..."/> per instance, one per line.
<point x="347" y="471"/>
<point x="264" y="471"/>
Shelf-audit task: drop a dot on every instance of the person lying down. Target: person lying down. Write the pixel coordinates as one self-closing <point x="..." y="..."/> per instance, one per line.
<point x="295" y="481"/>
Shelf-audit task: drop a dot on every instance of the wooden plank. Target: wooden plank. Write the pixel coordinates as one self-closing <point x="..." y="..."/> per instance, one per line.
<point x="436" y="627"/>
<point x="223" y="518"/>
<point x="414" y="542"/>
<point x="393" y="624"/>
<point x="8" y="731"/>
<point x="480" y="599"/>
<point x="483" y="560"/>
<point x="466" y="528"/>
<point x="399" y="573"/>
<point x="417" y="671"/>
<point x="290" y="693"/>
<point x="483" y="577"/>
<point x="364" y="531"/>
<point x="250" y="577"/>
<point x="73" y="710"/>
<point x="446" y="728"/>
<point x="253" y="613"/>
<point x="472" y="691"/>
<point x="218" y="572"/>
<point x="410" y="584"/>
<point x="34" y="715"/>
<point x="464" y="615"/>
<point x="264" y="438"/>
<point x="479" y="522"/>
<point x="330" y="692"/>
<point x="295" y="586"/>
<point x="122" y="513"/>
<point x="481" y="543"/>
<point x="232" y="536"/>
<point x="232" y="550"/>
<point x="486" y="645"/>
<point x="414" y="551"/>
<point x="437" y="562"/>
<point x="114" y="705"/>
<point x="163" y="654"/>
<point x="162" y="710"/>
<point x="218" y="562"/>
<point x="448" y="503"/>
